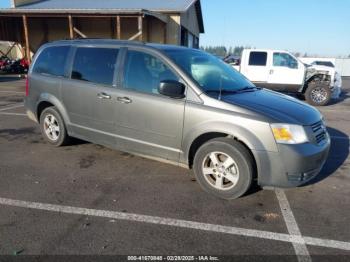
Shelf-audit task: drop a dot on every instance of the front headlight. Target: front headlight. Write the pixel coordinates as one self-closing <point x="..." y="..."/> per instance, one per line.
<point x="289" y="134"/>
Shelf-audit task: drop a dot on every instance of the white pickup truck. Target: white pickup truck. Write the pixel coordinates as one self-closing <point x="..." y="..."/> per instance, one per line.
<point x="281" y="71"/>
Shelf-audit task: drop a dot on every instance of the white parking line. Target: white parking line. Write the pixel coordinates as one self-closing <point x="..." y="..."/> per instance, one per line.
<point x="292" y="226"/>
<point x="11" y="107"/>
<point x="335" y="110"/>
<point x="12" y="114"/>
<point x="178" y="223"/>
<point x="9" y="91"/>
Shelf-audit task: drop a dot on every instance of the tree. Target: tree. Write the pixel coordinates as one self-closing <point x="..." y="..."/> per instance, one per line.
<point x="215" y="50"/>
<point x="349" y="56"/>
<point x="238" y="50"/>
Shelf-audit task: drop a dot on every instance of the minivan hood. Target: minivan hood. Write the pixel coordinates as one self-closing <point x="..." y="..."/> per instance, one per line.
<point x="280" y="108"/>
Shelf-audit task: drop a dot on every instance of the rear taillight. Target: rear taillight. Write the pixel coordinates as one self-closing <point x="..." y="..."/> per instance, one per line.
<point x="27" y="87"/>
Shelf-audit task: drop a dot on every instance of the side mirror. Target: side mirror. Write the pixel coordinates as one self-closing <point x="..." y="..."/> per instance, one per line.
<point x="171" y="88"/>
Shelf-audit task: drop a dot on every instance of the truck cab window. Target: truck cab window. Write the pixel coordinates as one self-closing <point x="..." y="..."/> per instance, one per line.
<point x="258" y="59"/>
<point x="285" y="60"/>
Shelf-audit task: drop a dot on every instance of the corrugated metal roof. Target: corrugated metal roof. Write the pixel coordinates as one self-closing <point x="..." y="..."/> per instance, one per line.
<point x="149" y="7"/>
<point x="152" y="5"/>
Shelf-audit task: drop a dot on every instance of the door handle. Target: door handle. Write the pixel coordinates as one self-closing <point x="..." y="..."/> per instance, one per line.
<point x="103" y="96"/>
<point x="271" y="71"/>
<point x="124" y="100"/>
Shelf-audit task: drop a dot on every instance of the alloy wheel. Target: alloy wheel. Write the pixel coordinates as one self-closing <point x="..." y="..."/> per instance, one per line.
<point x="51" y="127"/>
<point x="220" y="171"/>
<point x="318" y="95"/>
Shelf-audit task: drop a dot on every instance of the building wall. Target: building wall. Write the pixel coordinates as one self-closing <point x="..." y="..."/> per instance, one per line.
<point x="46" y="29"/>
<point x="343" y="66"/>
<point x="190" y="21"/>
<point x="155" y="31"/>
<point x="93" y="27"/>
<point x="11" y="29"/>
<point x="129" y="27"/>
<point x="173" y="30"/>
<point x="43" y="30"/>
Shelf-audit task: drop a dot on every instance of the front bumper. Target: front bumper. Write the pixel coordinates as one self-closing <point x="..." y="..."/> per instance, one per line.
<point x="292" y="166"/>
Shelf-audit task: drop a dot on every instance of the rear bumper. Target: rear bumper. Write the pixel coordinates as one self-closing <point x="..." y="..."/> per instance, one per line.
<point x="292" y="166"/>
<point x="30" y="109"/>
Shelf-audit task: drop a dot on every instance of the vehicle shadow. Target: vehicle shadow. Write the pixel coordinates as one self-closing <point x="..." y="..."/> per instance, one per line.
<point x="343" y="96"/>
<point x="76" y="142"/>
<point x="338" y="154"/>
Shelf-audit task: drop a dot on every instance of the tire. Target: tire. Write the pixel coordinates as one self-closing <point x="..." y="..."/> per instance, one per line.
<point x="53" y="128"/>
<point x="300" y="96"/>
<point x="318" y="94"/>
<point x="226" y="181"/>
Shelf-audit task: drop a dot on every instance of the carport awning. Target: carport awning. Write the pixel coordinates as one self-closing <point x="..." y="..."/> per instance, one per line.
<point x="87" y="12"/>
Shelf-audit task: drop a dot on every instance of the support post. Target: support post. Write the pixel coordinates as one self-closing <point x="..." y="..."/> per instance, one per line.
<point x="79" y="32"/>
<point x="118" y="28"/>
<point x="140" y="27"/>
<point x="165" y="33"/>
<point x="71" y="32"/>
<point x="26" y="37"/>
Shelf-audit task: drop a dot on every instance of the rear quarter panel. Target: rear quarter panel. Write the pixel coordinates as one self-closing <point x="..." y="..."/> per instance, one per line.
<point x="46" y="89"/>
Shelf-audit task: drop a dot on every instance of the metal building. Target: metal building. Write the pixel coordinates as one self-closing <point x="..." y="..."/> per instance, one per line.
<point x="35" y="22"/>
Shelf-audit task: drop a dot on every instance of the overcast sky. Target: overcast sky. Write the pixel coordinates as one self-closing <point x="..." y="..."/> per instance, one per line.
<point x="319" y="27"/>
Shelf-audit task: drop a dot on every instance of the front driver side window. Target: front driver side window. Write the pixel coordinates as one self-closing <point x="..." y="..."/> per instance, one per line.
<point x="143" y="72"/>
<point x="284" y="60"/>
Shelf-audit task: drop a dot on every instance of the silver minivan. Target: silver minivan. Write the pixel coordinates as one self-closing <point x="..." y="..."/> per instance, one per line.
<point x="176" y="105"/>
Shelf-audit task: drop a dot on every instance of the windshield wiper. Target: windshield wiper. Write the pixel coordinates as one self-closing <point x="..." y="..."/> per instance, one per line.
<point x="237" y="91"/>
<point x="221" y="91"/>
<point x="248" y="89"/>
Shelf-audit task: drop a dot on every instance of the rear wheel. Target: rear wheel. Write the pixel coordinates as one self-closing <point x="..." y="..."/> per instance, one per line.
<point x="53" y="128"/>
<point x="224" y="168"/>
<point x="318" y="94"/>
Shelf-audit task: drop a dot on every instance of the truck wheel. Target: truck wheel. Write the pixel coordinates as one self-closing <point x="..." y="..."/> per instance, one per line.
<point x="224" y="168"/>
<point x="53" y="128"/>
<point x="318" y="94"/>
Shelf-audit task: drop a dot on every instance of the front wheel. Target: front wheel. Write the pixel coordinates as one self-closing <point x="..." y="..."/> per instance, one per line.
<point x="224" y="168"/>
<point x="318" y="94"/>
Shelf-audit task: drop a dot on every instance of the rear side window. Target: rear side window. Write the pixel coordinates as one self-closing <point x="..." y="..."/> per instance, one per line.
<point x="95" y="65"/>
<point x="258" y="59"/>
<point x="51" y="61"/>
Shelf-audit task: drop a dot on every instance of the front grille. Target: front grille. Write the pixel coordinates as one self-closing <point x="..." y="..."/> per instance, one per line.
<point x="320" y="132"/>
<point x="316" y="127"/>
<point x="321" y="137"/>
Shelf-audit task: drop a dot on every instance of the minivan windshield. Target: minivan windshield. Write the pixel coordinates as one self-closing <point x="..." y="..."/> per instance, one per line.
<point x="211" y="74"/>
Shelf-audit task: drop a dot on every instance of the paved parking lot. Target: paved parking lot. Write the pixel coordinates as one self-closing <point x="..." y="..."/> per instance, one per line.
<point x="87" y="199"/>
